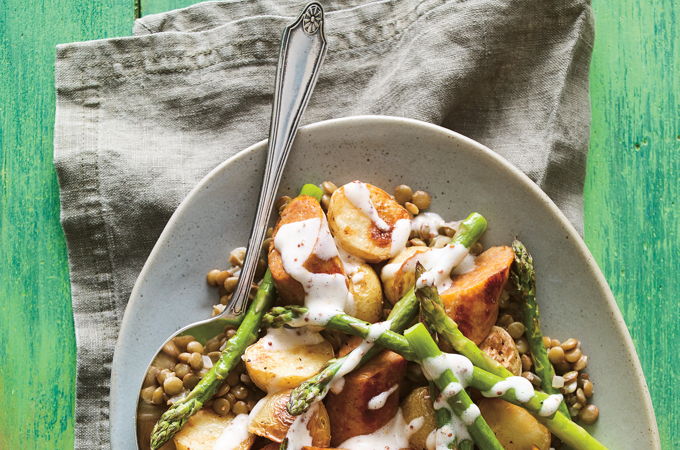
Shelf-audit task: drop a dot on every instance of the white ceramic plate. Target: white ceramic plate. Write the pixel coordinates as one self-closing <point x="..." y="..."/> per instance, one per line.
<point x="463" y="176"/>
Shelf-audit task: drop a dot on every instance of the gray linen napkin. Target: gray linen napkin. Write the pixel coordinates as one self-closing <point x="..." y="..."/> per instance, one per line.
<point x="141" y="119"/>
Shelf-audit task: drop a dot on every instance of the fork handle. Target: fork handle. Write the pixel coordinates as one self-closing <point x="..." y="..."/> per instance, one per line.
<point x="303" y="47"/>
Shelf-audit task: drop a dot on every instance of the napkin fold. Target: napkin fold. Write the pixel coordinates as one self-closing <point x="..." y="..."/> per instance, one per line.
<point x="140" y="120"/>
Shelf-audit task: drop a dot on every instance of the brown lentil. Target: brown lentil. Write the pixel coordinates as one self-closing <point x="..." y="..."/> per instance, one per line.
<point x="150" y="378"/>
<point x="554" y="343"/>
<point x="522" y="345"/>
<point x="240" y="392"/>
<point x="211" y="277"/>
<point x="546" y="342"/>
<point x="556" y="354"/>
<point x="532" y="377"/>
<point x="570" y="377"/>
<point x="505" y="320"/>
<point x="183" y="357"/>
<point x="233" y="378"/>
<point x="573" y="355"/>
<point x="516" y="330"/>
<point x="281" y="202"/>
<point x="589" y="414"/>
<point x="147" y="394"/>
<point x="230" y="284"/>
<point x="245" y="379"/>
<point x="411" y="208"/>
<point x="569" y="344"/>
<point x="181" y="370"/>
<point x="182" y="341"/>
<point x="214" y="356"/>
<point x="526" y="362"/>
<point x="588" y="388"/>
<point x="573" y="411"/>
<point x="240" y="407"/>
<point x="580" y="396"/>
<point x="328" y="187"/>
<point x="270" y="233"/>
<point x="582" y="363"/>
<point x="230" y="397"/>
<point x="158" y="396"/>
<point x="325" y="201"/>
<point x="403" y="194"/>
<point x="171" y="349"/>
<point x="562" y="367"/>
<point x="194" y="347"/>
<point x="224" y="300"/>
<point x="237" y="256"/>
<point x="447" y="231"/>
<point x="162" y="375"/>
<point x="422" y="200"/>
<point x="172" y="385"/>
<point x="190" y="380"/>
<point x="196" y="361"/>
<point x="223" y="390"/>
<point x="221" y="406"/>
<point x="417" y="242"/>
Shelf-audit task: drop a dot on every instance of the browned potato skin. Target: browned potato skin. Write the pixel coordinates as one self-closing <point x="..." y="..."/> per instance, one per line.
<point x="515" y="428"/>
<point x="348" y="411"/>
<point x="273" y="420"/>
<point x="419" y="404"/>
<point x="290" y="290"/>
<point x="274" y="371"/>
<point x="203" y="429"/>
<point x="403" y="279"/>
<point x="367" y="294"/>
<point x="500" y="346"/>
<point x="356" y="233"/>
<point x="472" y="300"/>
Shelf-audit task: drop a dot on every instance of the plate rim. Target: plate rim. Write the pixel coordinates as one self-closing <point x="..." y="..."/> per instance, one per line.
<point x="494" y="157"/>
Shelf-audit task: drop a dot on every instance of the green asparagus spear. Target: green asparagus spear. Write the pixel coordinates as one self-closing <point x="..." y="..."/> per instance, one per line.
<point x="179" y="413"/>
<point x="566" y="430"/>
<point x="523" y="277"/>
<point x="402" y="314"/>
<point x="316" y="388"/>
<point x="460" y="403"/>
<point x="432" y="308"/>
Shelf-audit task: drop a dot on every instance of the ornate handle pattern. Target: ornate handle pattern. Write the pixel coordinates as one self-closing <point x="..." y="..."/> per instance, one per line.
<point x="303" y="47"/>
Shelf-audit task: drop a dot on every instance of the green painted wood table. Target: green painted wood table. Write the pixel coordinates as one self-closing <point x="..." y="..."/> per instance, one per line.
<point x="632" y="200"/>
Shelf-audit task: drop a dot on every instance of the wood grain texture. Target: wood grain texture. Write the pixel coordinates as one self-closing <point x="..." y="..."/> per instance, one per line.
<point x="632" y="191"/>
<point x="37" y="344"/>
<point x="632" y="207"/>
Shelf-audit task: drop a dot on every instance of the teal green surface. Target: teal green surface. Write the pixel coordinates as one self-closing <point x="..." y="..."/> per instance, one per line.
<point x="632" y="193"/>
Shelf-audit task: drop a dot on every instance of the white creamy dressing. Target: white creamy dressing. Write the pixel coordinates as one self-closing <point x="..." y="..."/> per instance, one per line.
<point x="442" y="438"/>
<point x="282" y="339"/>
<point x="466" y="265"/>
<point x="351" y="265"/>
<point x="550" y="405"/>
<point x="470" y="414"/>
<point x="400" y="235"/>
<point x="353" y="358"/>
<point x="524" y="391"/>
<point x="325" y="294"/>
<point x="451" y="390"/>
<point x="393" y="435"/>
<point x="460" y="366"/>
<point x="427" y="224"/>
<point x="233" y="434"/>
<point x="439" y="263"/>
<point x="379" y="400"/>
<point x="298" y="434"/>
<point x="359" y="195"/>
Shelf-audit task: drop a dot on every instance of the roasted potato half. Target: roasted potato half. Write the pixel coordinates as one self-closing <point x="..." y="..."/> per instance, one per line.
<point x="472" y="300"/>
<point x="366" y="290"/>
<point x="272" y="420"/>
<point x="398" y="275"/>
<point x="274" y="370"/>
<point x="356" y="232"/>
<point x="348" y="410"/>
<point x="515" y="428"/>
<point x="204" y="429"/>
<point x="501" y="347"/>
<point x="290" y="290"/>
<point x="419" y="404"/>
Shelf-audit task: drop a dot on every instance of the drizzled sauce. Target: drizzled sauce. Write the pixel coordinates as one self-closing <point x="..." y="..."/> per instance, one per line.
<point x="393" y="435"/>
<point x="524" y="391"/>
<point x="379" y="400"/>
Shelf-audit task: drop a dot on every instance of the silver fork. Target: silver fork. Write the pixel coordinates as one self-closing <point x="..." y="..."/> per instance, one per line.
<point x="303" y="47"/>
